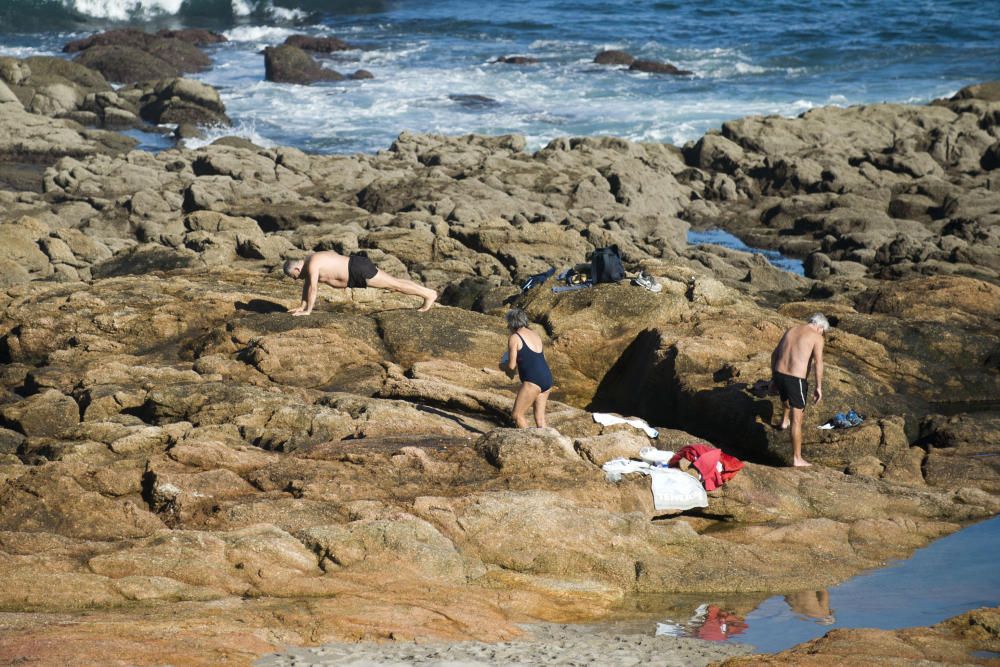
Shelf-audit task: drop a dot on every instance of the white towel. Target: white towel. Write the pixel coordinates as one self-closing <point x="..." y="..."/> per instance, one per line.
<point x="607" y="419"/>
<point x="672" y="489"/>
<point x="676" y="490"/>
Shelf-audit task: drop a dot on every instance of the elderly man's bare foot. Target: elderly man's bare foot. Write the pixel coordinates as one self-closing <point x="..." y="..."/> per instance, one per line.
<point x="428" y="301"/>
<point x="800" y="463"/>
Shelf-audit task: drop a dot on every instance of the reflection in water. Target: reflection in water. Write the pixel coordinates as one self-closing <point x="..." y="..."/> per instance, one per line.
<point x="812" y="604"/>
<point x="944" y="579"/>
<point x="708" y="622"/>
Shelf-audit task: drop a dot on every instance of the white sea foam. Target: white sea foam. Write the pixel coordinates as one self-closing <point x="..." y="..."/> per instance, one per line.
<point x="285" y="14"/>
<point x="560" y="45"/>
<point x="258" y="33"/>
<point x="22" y="51"/>
<point x="120" y="10"/>
<point x="242" y="8"/>
<point x="246" y="130"/>
<point x="386" y="56"/>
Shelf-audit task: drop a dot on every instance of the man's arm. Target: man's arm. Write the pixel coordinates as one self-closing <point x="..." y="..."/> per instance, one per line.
<point x="302" y="306"/>
<point x="772" y="387"/>
<point x="309" y="287"/>
<point x="818" y="359"/>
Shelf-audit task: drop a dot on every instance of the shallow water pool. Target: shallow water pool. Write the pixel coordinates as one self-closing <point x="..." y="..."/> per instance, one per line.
<point x="153" y="142"/>
<point x="949" y="577"/>
<point x="726" y="240"/>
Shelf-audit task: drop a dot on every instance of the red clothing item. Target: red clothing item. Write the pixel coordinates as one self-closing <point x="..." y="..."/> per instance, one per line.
<point x="706" y="459"/>
<point x="721" y="625"/>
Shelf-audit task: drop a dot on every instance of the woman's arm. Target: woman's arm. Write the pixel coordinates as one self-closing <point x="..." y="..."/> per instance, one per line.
<point x="512" y="352"/>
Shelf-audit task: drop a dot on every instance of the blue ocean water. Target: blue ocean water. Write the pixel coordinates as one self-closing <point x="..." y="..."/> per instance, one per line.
<point x="748" y="57"/>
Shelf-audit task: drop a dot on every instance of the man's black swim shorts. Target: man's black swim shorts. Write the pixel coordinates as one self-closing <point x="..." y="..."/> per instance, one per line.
<point x="359" y="270"/>
<point x="792" y="389"/>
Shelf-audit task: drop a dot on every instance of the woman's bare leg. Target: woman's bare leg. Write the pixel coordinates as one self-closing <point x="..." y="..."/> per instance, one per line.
<point x="540" y="402"/>
<point x="525" y="396"/>
<point x="384" y="281"/>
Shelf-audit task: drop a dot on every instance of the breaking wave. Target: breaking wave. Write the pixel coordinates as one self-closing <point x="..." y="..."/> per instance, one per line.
<point x="38" y="15"/>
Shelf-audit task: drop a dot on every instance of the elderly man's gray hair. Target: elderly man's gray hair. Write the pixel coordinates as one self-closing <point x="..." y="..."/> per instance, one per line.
<point x="517" y="319"/>
<point x="289" y="265"/>
<point x="819" y="319"/>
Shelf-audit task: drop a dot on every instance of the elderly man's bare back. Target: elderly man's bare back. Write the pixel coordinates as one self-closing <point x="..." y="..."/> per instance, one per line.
<point x="795" y="350"/>
<point x="339" y="271"/>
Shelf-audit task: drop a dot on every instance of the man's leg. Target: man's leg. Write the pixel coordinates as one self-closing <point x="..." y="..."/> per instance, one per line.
<point x="797" y="459"/>
<point x="540" y="403"/>
<point x="525" y="396"/>
<point x="384" y="281"/>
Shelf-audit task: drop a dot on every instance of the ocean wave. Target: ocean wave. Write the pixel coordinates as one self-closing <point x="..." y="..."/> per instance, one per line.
<point x="121" y="10"/>
<point x="38" y="15"/>
<point x="385" y="56"/>
<point x="258" y="33"/>
<point x="245" y="130"/>
<point x="21" y="52"/>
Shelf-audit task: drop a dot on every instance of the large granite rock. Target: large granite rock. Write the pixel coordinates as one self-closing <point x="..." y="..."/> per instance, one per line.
<point x="129" y="55"/>
<point x="177" y="101"/>
<point x="291" y="64"/>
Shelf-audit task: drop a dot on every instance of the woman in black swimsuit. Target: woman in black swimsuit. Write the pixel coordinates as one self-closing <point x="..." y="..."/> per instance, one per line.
<point x="524" y="352"/>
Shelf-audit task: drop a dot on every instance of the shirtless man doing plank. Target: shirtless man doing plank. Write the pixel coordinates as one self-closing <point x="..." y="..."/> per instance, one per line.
<point x="336" y="270"/>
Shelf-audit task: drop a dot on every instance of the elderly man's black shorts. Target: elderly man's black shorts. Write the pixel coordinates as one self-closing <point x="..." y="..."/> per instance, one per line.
<point x="792" y="389"/>
<point x="359" y="270"/>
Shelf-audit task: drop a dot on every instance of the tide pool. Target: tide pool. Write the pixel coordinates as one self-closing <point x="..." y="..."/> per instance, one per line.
<point x="955" y="574"/>
<point x="726" y="240"/>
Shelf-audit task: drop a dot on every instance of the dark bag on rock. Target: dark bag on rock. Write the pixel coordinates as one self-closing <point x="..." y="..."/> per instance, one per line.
<point x="606" y="265"/>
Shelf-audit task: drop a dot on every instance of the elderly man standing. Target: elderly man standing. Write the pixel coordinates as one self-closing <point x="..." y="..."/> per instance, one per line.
<point x="336" y="270"/>
<point x="801" y="346"/>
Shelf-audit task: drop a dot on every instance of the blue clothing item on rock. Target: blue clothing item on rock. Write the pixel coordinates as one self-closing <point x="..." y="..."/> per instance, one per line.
<point x="532" y="367"/>
<point x="537" y="279"/>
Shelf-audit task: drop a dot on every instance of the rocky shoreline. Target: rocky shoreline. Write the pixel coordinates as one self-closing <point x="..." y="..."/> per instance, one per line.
<point x="186" y="471"/>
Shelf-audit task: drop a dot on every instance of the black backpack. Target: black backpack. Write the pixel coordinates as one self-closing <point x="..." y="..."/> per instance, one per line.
<point x="606" y="265"/>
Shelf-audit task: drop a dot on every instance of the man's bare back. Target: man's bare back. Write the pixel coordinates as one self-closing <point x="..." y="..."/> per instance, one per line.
<point x="796" y="349"/>
<point x="330" y="267"/>
<point x="339" y="271"/>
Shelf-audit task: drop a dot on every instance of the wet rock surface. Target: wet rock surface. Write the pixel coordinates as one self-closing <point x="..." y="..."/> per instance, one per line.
<point x="187" y="462"/>
<point x="130" y="55"/>
<point x="291" y="64"/>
